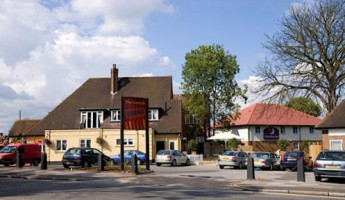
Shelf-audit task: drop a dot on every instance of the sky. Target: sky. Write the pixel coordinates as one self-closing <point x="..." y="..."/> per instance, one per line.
<point x="48" y="48"/>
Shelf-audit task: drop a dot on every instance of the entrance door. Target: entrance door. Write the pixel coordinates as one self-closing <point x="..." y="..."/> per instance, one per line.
<point x="160" y="145"/>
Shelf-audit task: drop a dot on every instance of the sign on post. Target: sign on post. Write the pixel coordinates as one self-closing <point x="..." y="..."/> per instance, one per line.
<point x="134" y="116"/>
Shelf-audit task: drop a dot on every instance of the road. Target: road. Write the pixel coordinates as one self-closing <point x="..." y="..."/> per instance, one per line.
<point x="13" y="189"/>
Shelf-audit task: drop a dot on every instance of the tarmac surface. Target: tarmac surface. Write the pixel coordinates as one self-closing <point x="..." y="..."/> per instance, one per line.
<point x="285" y="185"/>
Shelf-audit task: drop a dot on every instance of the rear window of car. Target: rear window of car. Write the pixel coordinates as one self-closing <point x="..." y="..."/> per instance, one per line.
<point x="261" y="155"/>
<point x="331" y="156"/>
<point x="73" y="152"/>
<point x="229" y="153"/>
<point x="163" y="153"/>
<point x="293" y="154"/>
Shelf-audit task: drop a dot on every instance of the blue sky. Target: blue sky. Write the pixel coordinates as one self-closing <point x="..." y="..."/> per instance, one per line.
<point x="49" y="48"/>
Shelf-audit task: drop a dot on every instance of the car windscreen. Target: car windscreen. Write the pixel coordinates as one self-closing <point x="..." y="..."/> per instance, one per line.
<point x="73" y="152"/>
<point x="261" y="155"/>
<point x="163" y="153"/>
<point x="331" y="156"/>
<point x="293" y="154"/>
<point x="228" y="153"/>
<point x="8" y="149"/>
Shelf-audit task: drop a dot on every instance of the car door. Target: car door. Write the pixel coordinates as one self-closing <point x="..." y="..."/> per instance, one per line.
<point x="182" y="158"/>
<point x="96" y="153"/>
<point x="88" y="155"/>
<point x="176" y="157"/>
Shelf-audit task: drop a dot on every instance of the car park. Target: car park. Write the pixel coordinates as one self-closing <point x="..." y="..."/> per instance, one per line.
<point x="30" y="153"/>
<point x="329" y="164"/>
<point x="128" y="157"/>
<point x="83" y="157"/>
<point x="265" y="160"/>
<point x="172" y="157"/>
<point x="290" y="158"/>
<point x="235" y="159"/>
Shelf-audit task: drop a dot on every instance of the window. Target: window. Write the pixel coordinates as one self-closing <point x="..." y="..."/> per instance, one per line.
<point x="115" y="115"/>
<point x="336" y="145"/>
<point x="91" y="119"/>
<point x="126" y="142"/>
<point x="257" y="129"/>
<point x="190" y="119"/>
<point x="282" y="130"/>
<point x="153" y="114"/>
<point x="311" y="130"/>
<point x="85" y="143"/>
<point x="61" y="145"/>
<point x="295" y="130"/>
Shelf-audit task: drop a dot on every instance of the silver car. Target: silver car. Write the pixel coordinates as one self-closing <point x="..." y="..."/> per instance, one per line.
<point x="329" y="164"/>
<point x="236" y="159"/>
<point x="265" y="160"/>
<point x="172" y="157"/>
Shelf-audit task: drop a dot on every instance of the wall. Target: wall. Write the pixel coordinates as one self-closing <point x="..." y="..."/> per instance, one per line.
<point x="167" y="138"/>
<point x="108" y="147"/>
<point x="32" y="139"/>
<point x="332" y="134"/>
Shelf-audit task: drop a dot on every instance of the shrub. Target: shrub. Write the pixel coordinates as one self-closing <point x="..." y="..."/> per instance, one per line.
<point x="283" y="144"/>
<point x="233" y="143"/>
<point x="192" y="144"/>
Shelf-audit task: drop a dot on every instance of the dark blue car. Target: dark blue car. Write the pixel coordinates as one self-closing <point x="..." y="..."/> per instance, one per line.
<point x="290" y="158"/>
<point x="128" y="156"/>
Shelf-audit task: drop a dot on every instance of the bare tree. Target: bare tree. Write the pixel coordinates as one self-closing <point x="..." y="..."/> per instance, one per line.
<point x="308" y="55"/>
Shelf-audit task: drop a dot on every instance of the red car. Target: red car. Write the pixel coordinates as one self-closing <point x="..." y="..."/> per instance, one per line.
<point x="30" y="153"/>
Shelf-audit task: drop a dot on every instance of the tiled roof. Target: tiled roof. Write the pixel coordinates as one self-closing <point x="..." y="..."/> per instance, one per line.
<point x="335" y="119"/>
<point x="94" y="94"/>
<point x="274" y="114"/>
<point x="23" y="127"/>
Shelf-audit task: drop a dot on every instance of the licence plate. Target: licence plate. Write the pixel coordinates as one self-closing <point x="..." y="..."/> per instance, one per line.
<point x="69" y="163"/>
<point x="225" y="158"/>
<point x="333" y="166"/>
<point x="256" y="161"/>
<point x="291" y="159"/>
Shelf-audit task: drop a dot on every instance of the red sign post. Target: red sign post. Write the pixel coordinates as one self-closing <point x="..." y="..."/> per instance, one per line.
<point x="134" y="116"/>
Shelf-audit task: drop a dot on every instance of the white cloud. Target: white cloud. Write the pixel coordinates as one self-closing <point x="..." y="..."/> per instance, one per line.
<point x="177" y="88"/>
<point x="252" y="82"/>
<point x="46" y="51"/>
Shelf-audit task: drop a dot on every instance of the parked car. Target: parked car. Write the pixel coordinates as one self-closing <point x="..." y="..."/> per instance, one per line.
<point x="128" y="157"/>
<point x="236" y="159"/>
<point x="290" y="158"/>
<point x="329" y="164"/>
<point x="30" y="153"/>
<point x="265" y="160"/>
<point x="173" y="157"/>
<point x="84" y="157"/>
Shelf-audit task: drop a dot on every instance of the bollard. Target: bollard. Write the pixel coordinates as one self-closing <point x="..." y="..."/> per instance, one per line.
<point x="134" y="164"/>
<point x="44" y="161"/>
<point x="250" y="168"/>
<point x="19" y="160"/>
<point x="100" y="163"/>
<point x="300" y="171"/>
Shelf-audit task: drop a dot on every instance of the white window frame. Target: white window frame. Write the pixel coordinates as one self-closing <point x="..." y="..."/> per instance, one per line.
<point x="293" y="130"/>
<point x="85" y="143"/>
<point x="61" y="145"/>
<point x="126" y="142"/>
<point x="282" y="130"/>
<point x="153" y="115"/>
<point x="257" y="128"/>
<point x="115" y="116"/>
<point x="341" y="145"/>
<point x="99" y="119"/>
<point x="311" y="130"/>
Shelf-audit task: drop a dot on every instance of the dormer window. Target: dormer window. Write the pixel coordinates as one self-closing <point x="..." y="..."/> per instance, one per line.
<point x="153" y="114"/>
<point x="91" y="119"/>
<point x="115" y="116"/>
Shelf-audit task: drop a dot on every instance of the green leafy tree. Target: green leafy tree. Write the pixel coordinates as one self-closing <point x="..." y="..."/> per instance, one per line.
<point x="283" y="144"/>
<point x="305" y="145"/>
<point x="307" y="56"/>
<point x="305" y="105"/>
<point x="233" y="144"/>
<point x="192" y="144"/>
<point x="209" y="85"/>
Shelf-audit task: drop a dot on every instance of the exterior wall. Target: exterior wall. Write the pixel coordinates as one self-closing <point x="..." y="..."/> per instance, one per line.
<point x="32" y="139"/>
<point x="167" y="138"/>
<point x="108" y="147"/>
<point x="332" y="134"/>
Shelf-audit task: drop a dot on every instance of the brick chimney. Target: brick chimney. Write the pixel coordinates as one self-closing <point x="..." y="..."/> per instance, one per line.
<point x="114" y="80"/>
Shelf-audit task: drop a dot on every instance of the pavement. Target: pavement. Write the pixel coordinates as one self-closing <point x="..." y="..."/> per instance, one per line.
<point x="327" y="188"/>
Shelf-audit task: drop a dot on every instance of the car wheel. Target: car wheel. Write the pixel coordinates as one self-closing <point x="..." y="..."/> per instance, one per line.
<point x="86" y="164"/>
<point x="139" y="162"/>
<point x="36" y="162"/>
<point x="21" y="164"/>
<point x="158" y="164"/>
<point x="317" y="178"/>
<point x="221" y="167"/>
<point x="173" y="163"/>
<point x="65" y="166"/>
<point x="271" y="166"/>
<point x="282" y="168"/>
<point x="187" y="162"/>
